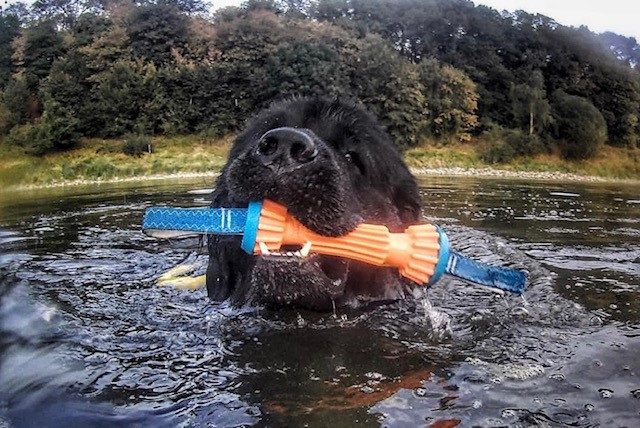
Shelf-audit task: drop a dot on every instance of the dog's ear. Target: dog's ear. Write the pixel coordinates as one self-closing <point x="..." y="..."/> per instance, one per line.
<point x="228" y="264"/>
<point x="219" y="276"/>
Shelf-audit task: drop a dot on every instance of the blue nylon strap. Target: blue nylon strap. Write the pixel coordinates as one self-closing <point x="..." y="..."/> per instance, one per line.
<point x="492" y="276"/>
<point x="219" y="221"/>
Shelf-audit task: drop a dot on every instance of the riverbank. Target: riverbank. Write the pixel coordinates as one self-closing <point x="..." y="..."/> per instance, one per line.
<point x="100" y="161"/>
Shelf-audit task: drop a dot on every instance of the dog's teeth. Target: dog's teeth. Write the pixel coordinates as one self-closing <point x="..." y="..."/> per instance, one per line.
<point x="297" y="254"/>
<point x="289" y="253"/>
<point x="304" y="251"/>
<point x="263" y="249"/>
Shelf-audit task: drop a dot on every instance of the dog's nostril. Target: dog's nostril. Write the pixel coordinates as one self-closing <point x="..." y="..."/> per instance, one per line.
<point x="302" y="152"/>
<point x="287" y="147"/>
<point x="267" y="146"/>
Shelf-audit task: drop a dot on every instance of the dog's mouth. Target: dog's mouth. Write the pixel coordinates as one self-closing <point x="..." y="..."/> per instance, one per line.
<point x="295" y="276"/>
<point x="286" y="251"/>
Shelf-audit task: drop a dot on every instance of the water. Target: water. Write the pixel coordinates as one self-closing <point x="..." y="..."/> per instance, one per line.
<point x="87" y="339"/>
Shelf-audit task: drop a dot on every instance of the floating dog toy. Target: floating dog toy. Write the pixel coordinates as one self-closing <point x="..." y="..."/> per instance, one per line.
<point x="421" y="253"/>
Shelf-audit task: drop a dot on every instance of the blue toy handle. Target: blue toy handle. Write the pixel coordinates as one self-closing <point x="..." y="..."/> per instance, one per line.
<point x="507" y="279"/>
<point x="219" y="221"/>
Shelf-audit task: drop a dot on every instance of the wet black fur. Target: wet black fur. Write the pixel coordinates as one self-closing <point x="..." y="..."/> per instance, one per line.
<point x="357" y="176"/>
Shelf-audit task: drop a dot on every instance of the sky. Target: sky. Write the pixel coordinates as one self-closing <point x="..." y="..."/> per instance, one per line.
<point x="619" y="16"/>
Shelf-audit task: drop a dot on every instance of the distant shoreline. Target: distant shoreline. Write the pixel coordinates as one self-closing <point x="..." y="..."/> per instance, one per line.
<point x="508" y="174"/>
<point x="491" y="173"/>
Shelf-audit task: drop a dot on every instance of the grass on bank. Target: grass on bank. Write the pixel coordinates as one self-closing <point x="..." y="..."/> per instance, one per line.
<point x="609" y="162"/>
<point x="96" y="159"/>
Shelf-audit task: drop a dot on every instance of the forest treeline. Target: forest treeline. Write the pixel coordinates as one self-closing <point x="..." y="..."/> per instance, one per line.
<point x="437" y="69"/>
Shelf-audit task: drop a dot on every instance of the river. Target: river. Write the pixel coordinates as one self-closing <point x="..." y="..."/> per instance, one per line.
<point x="88" y="339"/>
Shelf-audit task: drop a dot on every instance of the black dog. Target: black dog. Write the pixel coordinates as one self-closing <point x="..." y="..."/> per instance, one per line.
<point x="333" y="167"/>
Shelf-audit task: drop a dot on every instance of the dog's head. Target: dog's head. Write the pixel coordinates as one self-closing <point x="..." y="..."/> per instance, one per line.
<point x="333" y="167"/>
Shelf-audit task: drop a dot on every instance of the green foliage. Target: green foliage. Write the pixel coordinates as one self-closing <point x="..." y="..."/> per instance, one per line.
<point x="40" y="47"/>
<point x="118" y="99"/>
<point x="67" y="85"/>
<point x="452" y="99"/>
<point x="390" y="87"/>
<point x="157" y="33"/>
<point x="137" y="145"/>
<point x="64" y="13"/>
<point x="4" y="119"/>
<point x="442" y="69"/>
<point x="17" y="101"/>
<point x="94" y="168"/>
<point x="305" y="67"/>
<point x="31" y="138"/>
<point x="9" y="30"/>
<point x="59" y="125"/>
<point x="578" y="125"/>
<point x="57" y="130"/>
<point x="503" y="146"/>
<point x="531" y="110"/>
<point x="497" y="151"/>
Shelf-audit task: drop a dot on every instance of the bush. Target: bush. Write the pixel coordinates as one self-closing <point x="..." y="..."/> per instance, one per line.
<point x="579" y="126"/>
<point x="498" y="151"/>
<point x="506" y="145"/>
<point x="32" y="138"/>
<point x="524" y="144"/>
<point x="137" y="145"/>
<point x="99" y="168"/>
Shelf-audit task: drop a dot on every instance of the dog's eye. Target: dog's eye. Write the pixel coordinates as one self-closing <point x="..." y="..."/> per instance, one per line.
<point x="354" y="159"/>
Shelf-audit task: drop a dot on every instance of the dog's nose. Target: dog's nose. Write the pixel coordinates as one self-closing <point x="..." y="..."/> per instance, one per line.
<point x="286" y="147"/>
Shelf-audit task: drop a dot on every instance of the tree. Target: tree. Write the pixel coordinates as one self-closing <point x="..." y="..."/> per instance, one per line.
<point x="452" y="99"/>
<point x="118" y="99"/>
<point x="578" y="125"/>
<point x="65" y="13"/>
<point x="65" y="90"/>
<point x="9" y="30"/>
<point x="531" y="110"/>
<point x="625" y="49"/>
<point x="157" y="33"/>
<point x="390" y="87"/>
<point x="305" y="67"/>
<point x="18" y="102"/>
<point x="36" y="50"/>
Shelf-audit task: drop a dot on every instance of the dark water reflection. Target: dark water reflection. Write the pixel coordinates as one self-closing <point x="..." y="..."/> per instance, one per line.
<point x="86" y="339"/>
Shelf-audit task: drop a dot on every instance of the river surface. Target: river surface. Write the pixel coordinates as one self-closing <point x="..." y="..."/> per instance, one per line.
<point x="88" y="339"/>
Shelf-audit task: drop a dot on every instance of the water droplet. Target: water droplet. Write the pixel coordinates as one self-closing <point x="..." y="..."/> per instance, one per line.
<point x="605" y="393"/>
<point x="596" y="321"/>
<point x="557" y="376"/>
<point x="589" y="407"/>
<point x="420" y="392"/>
<point x="559" y="401"/>
<point x="367" y="389"/>
<point x="477" y="404"/>
<point x="508" y="413"/>
<point x="636" y="393"/>
<point x="374" y="376"/>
